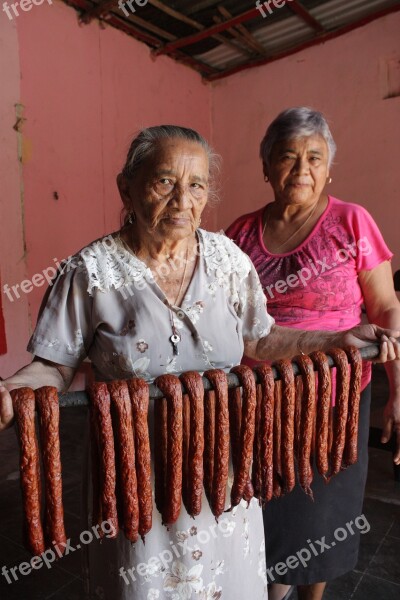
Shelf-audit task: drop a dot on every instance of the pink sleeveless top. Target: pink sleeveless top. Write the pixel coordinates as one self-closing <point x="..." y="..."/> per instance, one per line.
<point x="315" y="286"/>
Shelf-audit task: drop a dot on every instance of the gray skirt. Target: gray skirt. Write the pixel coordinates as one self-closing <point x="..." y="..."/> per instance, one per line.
<point x="311" y="541"/>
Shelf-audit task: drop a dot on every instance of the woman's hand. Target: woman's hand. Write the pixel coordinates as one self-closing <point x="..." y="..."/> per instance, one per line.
<point x="364" y="335"/>
<point x="391" y="423"/>
<point x="6" y="408"/>
<point x="38" y="373"/>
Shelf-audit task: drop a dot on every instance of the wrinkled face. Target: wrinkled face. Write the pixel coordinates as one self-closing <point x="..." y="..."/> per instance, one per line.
<point x="299" y="169"/>
<point x="169" y="191"/>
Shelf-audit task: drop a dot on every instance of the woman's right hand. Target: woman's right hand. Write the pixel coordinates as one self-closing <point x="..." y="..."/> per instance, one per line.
<point x="363" y="335"/>
<point x="6" y="408"/>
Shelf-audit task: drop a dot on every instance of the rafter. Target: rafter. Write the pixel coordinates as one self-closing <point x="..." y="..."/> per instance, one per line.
<point x="206" y="33"/>
<point x="312" y="42"/>
<point x="83" y="6"/>
<point x="195" y="24"/>
<point x="250" y="39"/>
<point x="303" y="13"/>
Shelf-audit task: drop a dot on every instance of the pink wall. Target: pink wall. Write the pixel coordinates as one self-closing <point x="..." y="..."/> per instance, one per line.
<point x="86" y="91"/>
<point x="344" y="79"/>
<point x="12" y="263"/>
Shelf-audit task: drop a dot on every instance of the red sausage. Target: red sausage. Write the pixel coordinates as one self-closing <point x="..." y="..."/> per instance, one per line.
<point x="247" y="431"/>
<point x="307" y="422"/>
<point x="277" y="440"/>
<point x="139" y="393"/>
<point x="284" y="367"/>
<point x="324" y="411"/>
<point x="350" y="448"/>
<point x="266" y="431"/>
<point x="172" y="390"/>
<point x="24" y="409"/>
<point x="219" y="382"/>
<point x="126" y="465"/>
<point x="209" y="443"/>
<point x="101" y="406"/>
<point x="193" y="384"/>
<point x="341" y="407"/>
<point x="49" y="420"/>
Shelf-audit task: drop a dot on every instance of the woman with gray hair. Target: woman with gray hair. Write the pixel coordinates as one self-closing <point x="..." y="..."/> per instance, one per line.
<point x="162" y="296"/>
<point x="319" y="259"/>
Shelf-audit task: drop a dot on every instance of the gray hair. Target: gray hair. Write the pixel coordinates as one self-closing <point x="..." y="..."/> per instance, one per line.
<point x="294" y="123"/>
<point x="145" y="142"/>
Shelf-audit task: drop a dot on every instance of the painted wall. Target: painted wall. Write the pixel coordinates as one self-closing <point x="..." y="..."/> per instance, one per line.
<point x="345" y="79"/>
<point x="85" y="91"/>
<point x="12" y="256"/>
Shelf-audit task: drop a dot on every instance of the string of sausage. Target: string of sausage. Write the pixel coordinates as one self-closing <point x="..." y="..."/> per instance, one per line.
<point x="297" y="414"/>
<point x="324" y="411"/>
<point x="307" y="419"/>
<point x="277" y="440"/>
<point x="350" y="448"/>
<point x="193" y="474"/>
<point x="235" y="418"/>
<point x="341" y="408"/>
<point x="24" y="409"/>
<point x="219" y="381"/>
<point x="126" y="466"/>
<point x="49" y="423"/>
<point x="247" y="429"/>
<point x="185" y="448"/>
<point x="209" y="443"/>
<point x="235" y="424"/>
<point x="101" y="407"/>
<point x="160" y="453"/>
<point x="172" y="390"/>
<point x="256" y="471"/>
<point x="139" y="393"/>
<point x="284" y="367"/>
<point x="265" y="432"/>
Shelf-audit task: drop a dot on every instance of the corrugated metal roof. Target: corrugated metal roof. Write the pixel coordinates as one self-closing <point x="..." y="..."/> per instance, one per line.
<point x="218" y="39"/>
<point x="291" y="31"/>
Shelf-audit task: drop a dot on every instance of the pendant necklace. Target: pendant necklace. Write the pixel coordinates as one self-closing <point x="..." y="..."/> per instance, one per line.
<point x="297" y="230"/>
<point x="175" y="338"/>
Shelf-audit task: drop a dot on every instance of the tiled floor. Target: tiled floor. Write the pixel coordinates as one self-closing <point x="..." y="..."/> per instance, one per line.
<point x="377" y="576"/>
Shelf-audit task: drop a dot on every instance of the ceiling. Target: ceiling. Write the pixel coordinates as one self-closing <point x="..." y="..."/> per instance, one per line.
<point x="221" y="38"/>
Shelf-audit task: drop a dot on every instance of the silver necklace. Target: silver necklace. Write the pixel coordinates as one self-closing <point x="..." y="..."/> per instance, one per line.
<point x="297" y="230"/>
<point x="175" y="338"/>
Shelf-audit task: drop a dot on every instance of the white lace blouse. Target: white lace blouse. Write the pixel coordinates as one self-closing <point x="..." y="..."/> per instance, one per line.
<point x="106" y="305"/>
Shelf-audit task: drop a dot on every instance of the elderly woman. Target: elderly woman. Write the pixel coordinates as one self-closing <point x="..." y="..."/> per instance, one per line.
<point x="319" y="259"/>
<point x="163" y="296"/>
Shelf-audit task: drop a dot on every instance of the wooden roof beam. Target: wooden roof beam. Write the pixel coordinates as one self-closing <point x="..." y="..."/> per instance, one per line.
<point x="195" y="24"/>
<point x="316" y="40"/>
<point x="209" y="32"/>
<point x="128" y="28"/>
<point x="296" y="7"/>
<point x="250" y="39"/>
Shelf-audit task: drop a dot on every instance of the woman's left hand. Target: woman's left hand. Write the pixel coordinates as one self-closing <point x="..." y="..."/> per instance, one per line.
<point x="364" y="335"/>
<point x="391" y="423"/>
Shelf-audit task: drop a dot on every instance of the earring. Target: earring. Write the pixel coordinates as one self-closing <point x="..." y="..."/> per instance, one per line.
<point x="131" y="218"/>
<point x="199" y="222"/>
<point x="330" y="180"/>
<point x="266" y="179"/>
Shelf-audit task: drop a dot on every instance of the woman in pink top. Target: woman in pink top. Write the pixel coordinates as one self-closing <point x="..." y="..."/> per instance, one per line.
<point x="319" y="259"/>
